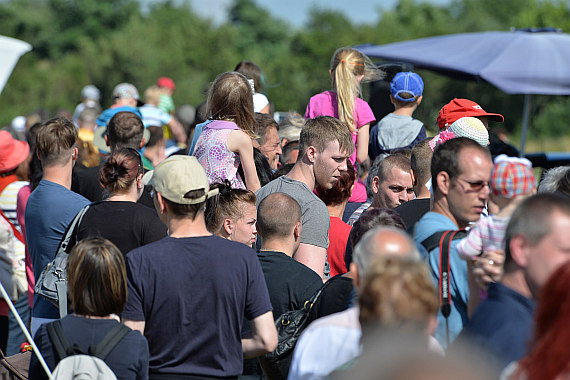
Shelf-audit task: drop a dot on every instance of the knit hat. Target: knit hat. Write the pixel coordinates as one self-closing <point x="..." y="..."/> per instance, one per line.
<point x="174" y="177"/>
<point x="512" y="176"/>
<point x="12" y="152"/>
<point x="472" y="128"/>
<point x="469" y="127"/>
<point x="407" y="83"/>
<point x="459" y="108"/>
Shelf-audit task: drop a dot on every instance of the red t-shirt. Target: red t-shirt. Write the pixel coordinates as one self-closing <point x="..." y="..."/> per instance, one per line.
<point x="338" y="236"/>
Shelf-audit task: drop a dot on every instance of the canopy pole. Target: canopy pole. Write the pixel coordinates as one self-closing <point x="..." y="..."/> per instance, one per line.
<point x="525" y="119"/>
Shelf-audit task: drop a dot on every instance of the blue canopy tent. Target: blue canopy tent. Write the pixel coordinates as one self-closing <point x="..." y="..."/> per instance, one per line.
<point x="517" y="62"/>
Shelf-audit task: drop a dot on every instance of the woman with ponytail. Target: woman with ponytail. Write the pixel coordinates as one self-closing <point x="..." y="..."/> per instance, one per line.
<point x="119" y="218"/>
<point x="348" y="69"/>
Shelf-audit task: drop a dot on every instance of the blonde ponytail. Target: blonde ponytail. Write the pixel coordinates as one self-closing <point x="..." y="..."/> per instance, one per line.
<point x="346" y="65"/>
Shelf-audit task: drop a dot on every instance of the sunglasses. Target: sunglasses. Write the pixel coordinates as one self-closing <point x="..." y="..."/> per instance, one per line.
<point x="474" y="186"/>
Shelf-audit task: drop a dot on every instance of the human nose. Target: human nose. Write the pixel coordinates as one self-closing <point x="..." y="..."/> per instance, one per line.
<point x="254" y="231"/>
<point x="343" y="166"/>
<point x="279" y="150"/>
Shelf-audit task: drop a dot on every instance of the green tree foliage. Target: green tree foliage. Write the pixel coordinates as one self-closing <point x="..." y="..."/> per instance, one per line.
<point x="76" y="42"/>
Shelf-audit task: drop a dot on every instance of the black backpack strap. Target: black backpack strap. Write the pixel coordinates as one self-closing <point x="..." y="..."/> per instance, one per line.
<point x="442" y="240"/>
<point x="444" y="272"/>
<point x="113" y="337"/>
<point x="432" y="241"/>
<point x="60" y="342"/>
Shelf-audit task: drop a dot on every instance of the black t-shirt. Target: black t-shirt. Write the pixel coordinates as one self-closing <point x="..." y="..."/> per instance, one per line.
<point x="86" y="183"/>
<point x="193" y="294"/>
<point x="412" y="211"/>
<point x="128" y="360"/>
<point x="128" y="225"/>
<point x="289" y="282"/>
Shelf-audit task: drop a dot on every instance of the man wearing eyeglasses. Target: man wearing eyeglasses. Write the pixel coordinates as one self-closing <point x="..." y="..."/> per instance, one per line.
<point x="461" y="170"/>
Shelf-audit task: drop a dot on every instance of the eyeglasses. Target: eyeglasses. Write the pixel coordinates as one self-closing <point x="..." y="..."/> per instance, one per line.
<point x="474" y="186"/>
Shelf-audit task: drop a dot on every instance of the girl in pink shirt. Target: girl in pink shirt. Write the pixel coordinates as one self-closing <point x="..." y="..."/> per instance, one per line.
<point x="348" y="69"/>
<point x="226" y="141"/>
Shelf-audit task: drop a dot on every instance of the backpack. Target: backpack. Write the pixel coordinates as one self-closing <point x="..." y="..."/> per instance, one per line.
<point x="443" y="239"/>
<point x="76" y="364"/>
<point x="52" y="283"/>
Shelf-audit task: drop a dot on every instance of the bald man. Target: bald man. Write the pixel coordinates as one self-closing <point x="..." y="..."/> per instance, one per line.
<point x="335" y="339"/>
<point x="289" y="282"/>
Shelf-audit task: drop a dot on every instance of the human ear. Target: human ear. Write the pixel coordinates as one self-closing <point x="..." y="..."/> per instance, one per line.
<point x="311" y="153"/>
<point x="375" y="184"/>
<point x="443" y="182"/>
<point x="227" y="226"/>
<point x="297" y="230"/>
<point x="414" y="178"/>
<point x="518" y="248"/>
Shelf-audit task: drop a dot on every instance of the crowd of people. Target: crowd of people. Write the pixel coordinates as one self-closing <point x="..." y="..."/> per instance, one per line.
<point x="200" y="228"/>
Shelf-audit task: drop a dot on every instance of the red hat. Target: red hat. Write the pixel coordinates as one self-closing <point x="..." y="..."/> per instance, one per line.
<point x="12" y="152"/>
<point x="166" y="82"/>
<point x="458" y="108"/>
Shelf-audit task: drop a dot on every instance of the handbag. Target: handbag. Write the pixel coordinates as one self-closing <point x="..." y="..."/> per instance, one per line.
<point x="289" y="327"/>
<point x="52" y="284"/>
<point x="15" y="367"/>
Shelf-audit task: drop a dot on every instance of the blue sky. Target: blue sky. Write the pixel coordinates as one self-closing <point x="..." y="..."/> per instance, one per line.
<point x="295" y="11"/>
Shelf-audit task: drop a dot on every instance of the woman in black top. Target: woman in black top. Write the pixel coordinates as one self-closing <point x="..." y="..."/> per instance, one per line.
<point x="97" y="284"/>
<point x="119" y="218"/>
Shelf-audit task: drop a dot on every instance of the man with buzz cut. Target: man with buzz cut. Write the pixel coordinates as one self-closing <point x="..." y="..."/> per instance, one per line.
<point x="189" y="292"/>
<point x="323" y="148"/>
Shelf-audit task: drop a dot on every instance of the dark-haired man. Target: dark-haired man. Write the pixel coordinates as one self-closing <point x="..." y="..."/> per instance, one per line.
<point x="189" y="292"/>
<point x="460" y="169"/>
<point x="52" y="205"/>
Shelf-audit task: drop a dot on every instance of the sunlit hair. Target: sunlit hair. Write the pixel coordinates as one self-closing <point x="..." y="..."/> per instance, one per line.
<point x="323" y="130"/>
<point x="120" y="170"/>
<point x="55" y="141"/>
<point x="397" y="291"/>
<point x="341" y="190"/>
<point x="230" y="98"/>
<point x="227" y="204"/>
<point x="97" y="278"/>
<point x="346" y="65"/>
<point x="251" y="71"/>
<point x="125" y="129"/>
<point x="549" y="356"/>
<point x="152" y="95"/>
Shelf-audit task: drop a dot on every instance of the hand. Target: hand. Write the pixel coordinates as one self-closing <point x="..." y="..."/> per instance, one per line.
<point x="488" y="267"/>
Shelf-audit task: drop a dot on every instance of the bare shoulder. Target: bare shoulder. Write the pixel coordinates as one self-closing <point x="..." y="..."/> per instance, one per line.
<point x="238" y="139"/>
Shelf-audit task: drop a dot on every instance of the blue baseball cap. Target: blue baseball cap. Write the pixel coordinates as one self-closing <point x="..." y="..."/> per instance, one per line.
<point x="407" y="82"/>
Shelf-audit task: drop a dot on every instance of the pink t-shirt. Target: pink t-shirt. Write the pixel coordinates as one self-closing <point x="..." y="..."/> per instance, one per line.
<point x="326" y="104"/>
<point x="213" y="154"/>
